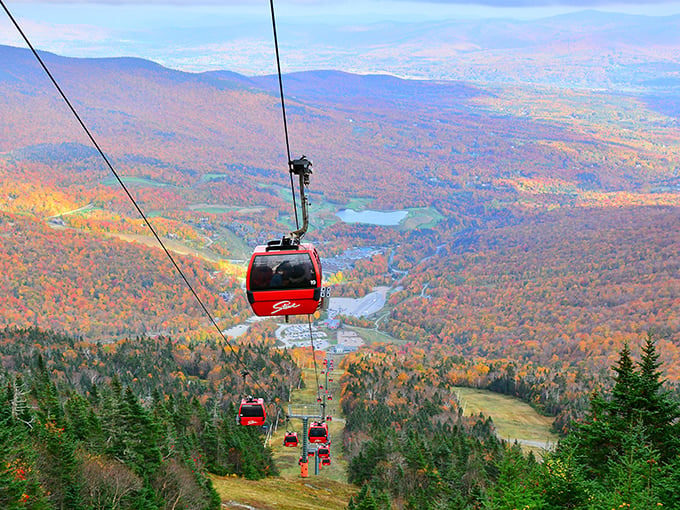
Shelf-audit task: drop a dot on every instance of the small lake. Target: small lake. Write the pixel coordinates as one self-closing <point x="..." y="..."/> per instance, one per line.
<point x="384" y="218"/>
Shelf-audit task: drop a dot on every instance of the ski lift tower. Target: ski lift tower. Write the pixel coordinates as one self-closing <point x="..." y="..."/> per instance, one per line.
<point x="304" y="412"/>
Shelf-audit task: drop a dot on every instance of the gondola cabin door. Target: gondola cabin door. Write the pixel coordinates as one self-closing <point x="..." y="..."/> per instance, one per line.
<point x="284" y="279"/>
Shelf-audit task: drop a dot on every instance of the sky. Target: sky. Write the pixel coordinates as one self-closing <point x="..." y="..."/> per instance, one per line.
<point x="195" y="35"/>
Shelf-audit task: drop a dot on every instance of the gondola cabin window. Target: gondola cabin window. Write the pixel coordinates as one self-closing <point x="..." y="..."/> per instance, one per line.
<point x="282" y="271"/>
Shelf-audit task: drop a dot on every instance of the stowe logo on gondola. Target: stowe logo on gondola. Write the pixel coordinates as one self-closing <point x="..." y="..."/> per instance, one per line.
<point x="282" y="306"/>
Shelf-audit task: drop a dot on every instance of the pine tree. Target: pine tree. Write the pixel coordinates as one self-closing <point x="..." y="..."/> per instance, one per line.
<point x="19" y="484"/>
<point x="624" y="405"/>
<point x="58" y="465"/>
<point x="626" y="450"/>
<point x="84" y="423"/>
<point x="518" y="483"/>
<point x="658" y="413"/>
<point x="139" y="435"/>
<point x="636" y="399"/>
<point x="364" y="500"/>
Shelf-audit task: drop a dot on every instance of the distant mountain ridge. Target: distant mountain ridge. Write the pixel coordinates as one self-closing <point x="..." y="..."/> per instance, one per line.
<point x="551" y="51"/>
<point x="508" y="51"/>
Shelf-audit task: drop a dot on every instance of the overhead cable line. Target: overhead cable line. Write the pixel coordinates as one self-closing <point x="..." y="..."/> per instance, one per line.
<point x="129" y="195"/>
<point x="316" y="371"/>
<point x="283" y="112"/>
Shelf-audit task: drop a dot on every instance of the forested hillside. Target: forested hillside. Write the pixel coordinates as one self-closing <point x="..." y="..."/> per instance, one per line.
<point x="137" y="423"/>
<point x="65" y="280"/>
<point x="140" y="423"/>
<point x="466" y="162"/>
<point x="411" y="447"/>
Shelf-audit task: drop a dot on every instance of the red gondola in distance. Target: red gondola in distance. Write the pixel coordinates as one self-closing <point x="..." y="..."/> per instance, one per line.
<point x="252" y="412"/>
<point x="290" y="439"/>
<point x="318" y="432"/>
<point x="324" y="451"/>
<point x="284" y="278"/>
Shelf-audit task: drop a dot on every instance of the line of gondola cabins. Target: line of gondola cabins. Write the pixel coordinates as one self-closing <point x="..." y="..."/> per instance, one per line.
<point x="284" y="279"/>
<point x="252" y="412"/>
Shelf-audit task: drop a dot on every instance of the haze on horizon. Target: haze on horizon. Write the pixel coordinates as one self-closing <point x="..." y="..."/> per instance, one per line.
<point x="236" y="35"/>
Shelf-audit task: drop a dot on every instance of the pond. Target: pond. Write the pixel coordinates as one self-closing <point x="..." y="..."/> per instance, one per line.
<point x="384" y="218"/>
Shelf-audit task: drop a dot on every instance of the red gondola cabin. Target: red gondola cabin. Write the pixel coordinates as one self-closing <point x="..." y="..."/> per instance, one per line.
<point x="284" y="279"/>
<point x="252" y="412"/>
<point x="318" y="432"/>
<point x="324" y="451"/>
<point x="290" y="439"/>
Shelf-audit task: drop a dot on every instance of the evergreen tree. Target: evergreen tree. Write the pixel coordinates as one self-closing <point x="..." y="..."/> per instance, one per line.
<point x="566" y="484"/>
<point x="518" y="484"/>
<point x="624" y="407"/>
<point x="658" y="412"/>
<point x="625" y="454"/>
<point x="58" y="465"/>
<point x="84" y="423"/>
<point x="366" y="501"/>
<point x="19" y="483"/>
<point x="633" y="474"/>
<point x="636" y="399"/>
<point x="138" y="435"/>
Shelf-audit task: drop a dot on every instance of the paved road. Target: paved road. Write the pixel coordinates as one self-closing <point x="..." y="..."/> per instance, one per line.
<point x="367" y="305"/>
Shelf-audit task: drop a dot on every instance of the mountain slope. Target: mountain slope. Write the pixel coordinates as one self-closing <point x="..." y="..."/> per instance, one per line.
<point x="363" y="132"/>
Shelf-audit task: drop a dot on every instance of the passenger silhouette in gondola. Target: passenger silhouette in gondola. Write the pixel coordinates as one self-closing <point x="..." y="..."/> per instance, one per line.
<point x="261" y="277"/>
<point x="298" y="277"/>
<point x="281" y="276"/>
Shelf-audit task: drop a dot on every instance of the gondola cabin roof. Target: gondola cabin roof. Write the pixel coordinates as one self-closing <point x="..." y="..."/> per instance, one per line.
<point x="252" y="412"/>
<point x="284" y="279"/>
